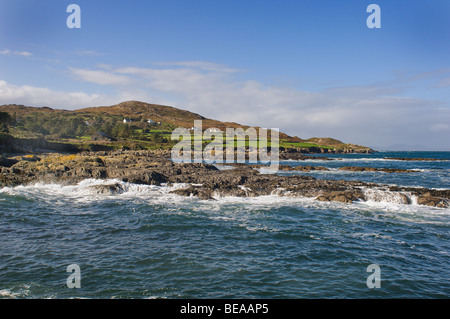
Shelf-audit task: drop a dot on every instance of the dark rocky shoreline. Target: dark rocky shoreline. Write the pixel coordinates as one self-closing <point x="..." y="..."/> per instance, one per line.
<point x="416" y="159"/>
<point x="203" y="180"/>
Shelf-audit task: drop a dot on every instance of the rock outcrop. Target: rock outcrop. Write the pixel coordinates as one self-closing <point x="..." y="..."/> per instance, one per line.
<point x="204" y="181"/>
<point x="373" y="169"/>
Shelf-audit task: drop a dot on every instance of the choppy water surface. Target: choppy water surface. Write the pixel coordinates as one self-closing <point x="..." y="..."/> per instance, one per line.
<point x="147" y="243"/>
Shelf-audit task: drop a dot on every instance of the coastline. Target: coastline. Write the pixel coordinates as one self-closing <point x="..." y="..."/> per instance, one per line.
<point x="204" y="181"/>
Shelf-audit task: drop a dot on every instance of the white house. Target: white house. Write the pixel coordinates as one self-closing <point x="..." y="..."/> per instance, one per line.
<point x="213" y="130"/>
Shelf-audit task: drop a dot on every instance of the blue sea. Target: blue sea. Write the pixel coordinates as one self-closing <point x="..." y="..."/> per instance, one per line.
<point x="147" y="243"/>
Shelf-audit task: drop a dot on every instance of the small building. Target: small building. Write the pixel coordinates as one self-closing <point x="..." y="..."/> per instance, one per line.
<point x="100" y="136"/>
<point x="150" y="121"/>
<point x="213" y="130"/>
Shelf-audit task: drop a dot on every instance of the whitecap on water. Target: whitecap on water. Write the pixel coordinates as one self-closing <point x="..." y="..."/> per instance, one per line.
<point x="98" y="190"/>
<point x="13" y="293"/>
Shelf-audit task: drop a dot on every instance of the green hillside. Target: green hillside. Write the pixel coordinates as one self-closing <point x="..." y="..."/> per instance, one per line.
<point x="131" y="124"/>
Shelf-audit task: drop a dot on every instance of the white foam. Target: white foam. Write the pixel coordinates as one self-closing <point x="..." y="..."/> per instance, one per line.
<point x="223" y="167"/>
<point x="22" y="291"/>
<point x="160" y="195"/>
<point x="266" y="170"/>
<point x="374" y="235"/>
<point x="380" y="195"/>
<point x="6" y="293"/>
<point x="84" y="192"/>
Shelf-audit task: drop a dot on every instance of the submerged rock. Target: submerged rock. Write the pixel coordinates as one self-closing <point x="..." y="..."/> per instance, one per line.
<point x="381" y="195"/>
<point x="342" y="196"/>
<point x="306" y="168"/>
<point x="146" y="178"/>
<point x="373" y="169"/>
<point x="112" y="189"/>
<point x="194" y="191"/>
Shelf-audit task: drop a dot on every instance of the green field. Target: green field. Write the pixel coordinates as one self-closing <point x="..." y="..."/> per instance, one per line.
<point x="286" y="144"/>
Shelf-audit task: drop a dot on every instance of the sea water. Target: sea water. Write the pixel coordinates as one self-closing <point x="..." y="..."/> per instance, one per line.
<point x="144" y="242"/>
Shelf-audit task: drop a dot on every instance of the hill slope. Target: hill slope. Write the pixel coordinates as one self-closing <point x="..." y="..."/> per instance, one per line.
<point x="84" y="122"/>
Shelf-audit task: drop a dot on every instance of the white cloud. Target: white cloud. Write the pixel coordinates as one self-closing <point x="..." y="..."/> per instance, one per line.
<point x="438" y="78"/>
<point x="88" y="53"/>
<point x="39" y="96"/>
<point x="101" y="77"/>
<point x="208" y="66"/>
<point x="365" y="114"/>
<point x="443" y="83"/>
<point x="368" y="115"/>
<point x="16" y="53"/>
<point x="36" y="96"/>
<point x="440" y="127"/>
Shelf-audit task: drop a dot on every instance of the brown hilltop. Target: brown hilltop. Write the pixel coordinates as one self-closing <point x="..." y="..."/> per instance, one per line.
<point x="156" y="112"/>
<point x="325" y="141"/>
<point x="167" y="114"/>
<point x="134" y="110"/>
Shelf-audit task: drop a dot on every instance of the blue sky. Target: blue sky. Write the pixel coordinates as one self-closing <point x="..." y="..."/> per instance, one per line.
<point x="310" y="68"/>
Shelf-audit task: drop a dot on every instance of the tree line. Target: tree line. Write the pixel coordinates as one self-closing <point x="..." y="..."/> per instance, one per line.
<point x="62" y="126"/>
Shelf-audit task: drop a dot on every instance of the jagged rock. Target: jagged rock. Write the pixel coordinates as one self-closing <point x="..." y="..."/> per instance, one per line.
<point x="429" y="200"/>
<point x="308" y="168"/>
<point x="343" y="196"/>
<point x="154" y="168"/>
<point x="30" y="158"/>
<point x="194" y="191"/>
<point x="7" y="162"/>
<point x="111" y="189"/>
<point x="147" y="178"/>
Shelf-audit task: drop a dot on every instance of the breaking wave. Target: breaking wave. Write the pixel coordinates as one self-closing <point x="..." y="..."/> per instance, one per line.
<point x="90" y="190"/>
